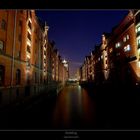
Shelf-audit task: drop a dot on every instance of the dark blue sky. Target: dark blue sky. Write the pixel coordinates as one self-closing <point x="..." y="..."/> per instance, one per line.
<point x="75" y="32"/>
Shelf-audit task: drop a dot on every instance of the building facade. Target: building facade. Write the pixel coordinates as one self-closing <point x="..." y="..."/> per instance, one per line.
<point x="28" y="60"/>
<point x="117" y="59"/>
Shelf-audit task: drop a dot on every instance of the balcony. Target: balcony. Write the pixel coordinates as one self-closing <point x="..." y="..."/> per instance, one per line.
<point x="130" y="58"/>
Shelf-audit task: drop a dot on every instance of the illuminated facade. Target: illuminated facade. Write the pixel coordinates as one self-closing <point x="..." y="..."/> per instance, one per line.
<point x="27" y="57"/>
<point x="117" y="58"/>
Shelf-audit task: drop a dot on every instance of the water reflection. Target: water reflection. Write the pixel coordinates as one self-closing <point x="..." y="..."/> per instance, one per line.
<point x="74" y="109"/>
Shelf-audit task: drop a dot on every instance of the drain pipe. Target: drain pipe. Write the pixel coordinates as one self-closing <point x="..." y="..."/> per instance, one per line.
<point x="14" y="43"/>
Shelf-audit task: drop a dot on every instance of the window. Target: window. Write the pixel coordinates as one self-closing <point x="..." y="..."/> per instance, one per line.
<point x="3" y="24"/>
<point x="127" y="37"/>
<point x="28" y="49"/>
<point x="1" y="45"/>
<point x="2" y="73"/>
<point x="110" y="50"/>
<point x="138" y="29"/>
<point x="138" y="41"/>
<point x="118" y="45"/>
<point x="29" y="36"/>
<point x="18" y="76"/>
<point x="101" y="56"/>
<point x="124" y="39"/>
<point x="29" y="24"/>
<point x="127" y="48"/>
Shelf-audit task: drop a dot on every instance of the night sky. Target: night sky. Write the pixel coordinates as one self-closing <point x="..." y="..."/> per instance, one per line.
<point x="75" y="32"/>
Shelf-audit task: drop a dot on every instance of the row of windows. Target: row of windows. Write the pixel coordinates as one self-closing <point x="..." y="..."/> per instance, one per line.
<point x="2" y="42"/>
<point x="2" y="75"/>
<point x="118" y="44"/>
<point x="126" y="38"/>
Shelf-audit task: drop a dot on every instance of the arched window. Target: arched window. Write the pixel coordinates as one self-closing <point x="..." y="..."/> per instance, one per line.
<point x="2" y="73"/>
<point x="18" y="76"/>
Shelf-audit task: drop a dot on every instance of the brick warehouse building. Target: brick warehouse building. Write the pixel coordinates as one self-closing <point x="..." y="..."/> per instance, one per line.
<point x="24" y="49"/>
<point x="116" y="59"/>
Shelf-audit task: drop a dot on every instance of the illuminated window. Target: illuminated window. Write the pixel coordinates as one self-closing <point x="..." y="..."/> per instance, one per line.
<point x="18" y="76"/>
<point x="138" y="29"/>
<point x="1" y="45"/>
<point x="2" y="73"/>
<point x="124" y="39"/>
<point x="127" y="48"/>
<point x="101" y="56"/>
<point x="3" y="24"/>
<point x="29" y="36"/>
<point x="127" y="37"/>
<point x="138" y="41"/>
<point x="118" y="45"/>
<point x="110" y="50"/>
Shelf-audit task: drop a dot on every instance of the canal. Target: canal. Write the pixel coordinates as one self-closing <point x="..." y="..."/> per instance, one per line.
<point x="76" y="108"/>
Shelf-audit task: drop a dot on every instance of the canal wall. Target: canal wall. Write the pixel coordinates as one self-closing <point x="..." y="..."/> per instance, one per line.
<point x="19" y="94"/>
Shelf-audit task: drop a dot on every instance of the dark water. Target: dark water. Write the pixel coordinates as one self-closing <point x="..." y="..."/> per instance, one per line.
<point x="74" y="109"/>
<point x="77" y="108"/>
